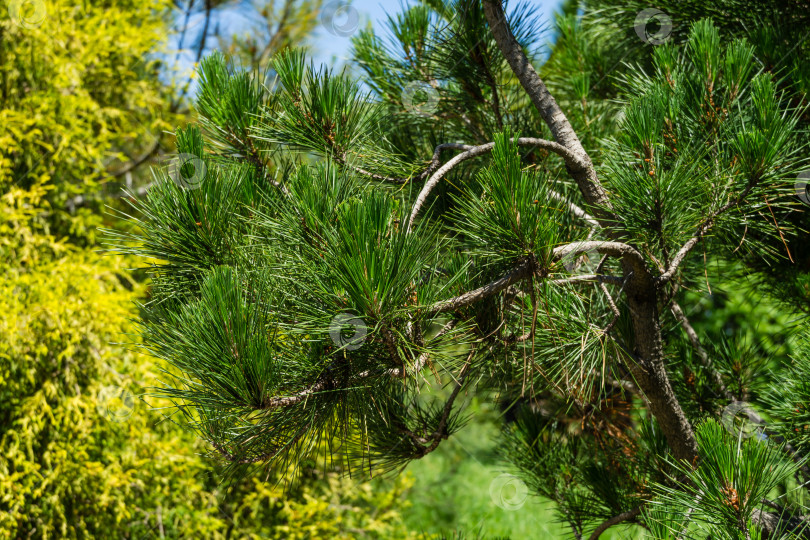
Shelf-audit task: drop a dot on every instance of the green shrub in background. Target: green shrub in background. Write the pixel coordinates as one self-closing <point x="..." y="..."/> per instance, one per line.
<point x="80" y="459"/>
<point x="81" y="455"/>
<point x="79" y="95"/>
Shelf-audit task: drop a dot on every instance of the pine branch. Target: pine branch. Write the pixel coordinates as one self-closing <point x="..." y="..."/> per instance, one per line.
<point x="580" y="167"/>
<point x="576" y="210"/>
<point x="615" y="520"/>
<point x="701" y="231"/>
<point x="615" y="249"/>
<point x="429" y="444"/>
<point x="589" y="278"/>
<point x="476" y="151"/>
<point x="527" y="268"/>
<point x="519" y="273"/>
<point x="434" y="164"/>
<point x="701" y="352"/>
<point x="322" y="384"/>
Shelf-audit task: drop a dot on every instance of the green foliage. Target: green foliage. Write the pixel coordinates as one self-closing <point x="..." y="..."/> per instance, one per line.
<point x="326" y="113"/>
<point x="80" y="92"/>
<point x="788" y="400"/>
<point x="82" y="455"/>
<point x="333" y="249"/>
<point x="721" y="494"/>
<point x="441" y="77"/>
<point x="772" y="34"/>
<point x="294" y="232"/>
<point x="511" y="218"/>
<point x="591" y="474"/>
<point x="691" y="138"/>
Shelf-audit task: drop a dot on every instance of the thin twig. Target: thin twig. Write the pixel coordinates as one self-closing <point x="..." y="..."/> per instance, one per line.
<point x="615" y="520"/>
<point x="680" y="316"/>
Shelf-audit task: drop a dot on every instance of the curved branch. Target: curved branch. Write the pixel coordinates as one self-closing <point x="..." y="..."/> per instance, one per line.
<point x="588" y="278"/>
<point x="679" y="257"/>
<point x="432" y="166"/>
<point x="615" y="520"/>
<point x="476" y="151"/>
<point x="522" y="271"/>
<point x="615" y="249"/>
<point x="526" y="269"/>
<point x="581" y="168"/>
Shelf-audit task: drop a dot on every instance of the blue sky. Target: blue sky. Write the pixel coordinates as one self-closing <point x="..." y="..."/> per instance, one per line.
<point x="327" y="47"/>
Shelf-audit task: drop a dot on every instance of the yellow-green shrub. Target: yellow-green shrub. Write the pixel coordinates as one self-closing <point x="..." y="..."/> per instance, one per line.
<point x="74" y="463"/>
<point x="78" y="87"/>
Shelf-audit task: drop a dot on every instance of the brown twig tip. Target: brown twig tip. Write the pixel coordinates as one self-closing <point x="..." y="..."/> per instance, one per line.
<point x="615" y="520"/>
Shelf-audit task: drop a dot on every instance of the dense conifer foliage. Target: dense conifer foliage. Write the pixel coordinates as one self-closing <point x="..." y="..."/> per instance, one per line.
<point x="325" y="247"/>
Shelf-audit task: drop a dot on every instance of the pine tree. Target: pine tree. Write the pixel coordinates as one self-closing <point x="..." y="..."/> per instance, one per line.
<point x="322" y="254"/>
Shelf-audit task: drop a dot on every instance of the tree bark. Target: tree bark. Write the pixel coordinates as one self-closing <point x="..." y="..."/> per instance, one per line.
<point x="642" y="288"/>
<point x="651" y="374"/>
<point x="582" y="171"/>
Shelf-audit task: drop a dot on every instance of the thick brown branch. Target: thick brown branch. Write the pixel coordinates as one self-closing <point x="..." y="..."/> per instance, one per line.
<point x="641" y="288"/>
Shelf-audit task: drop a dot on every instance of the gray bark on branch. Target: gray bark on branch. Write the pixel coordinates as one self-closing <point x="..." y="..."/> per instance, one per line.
<point x="581" y="168"/>
<point x="642" y="288"/>
<point x="476" y="151"/>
